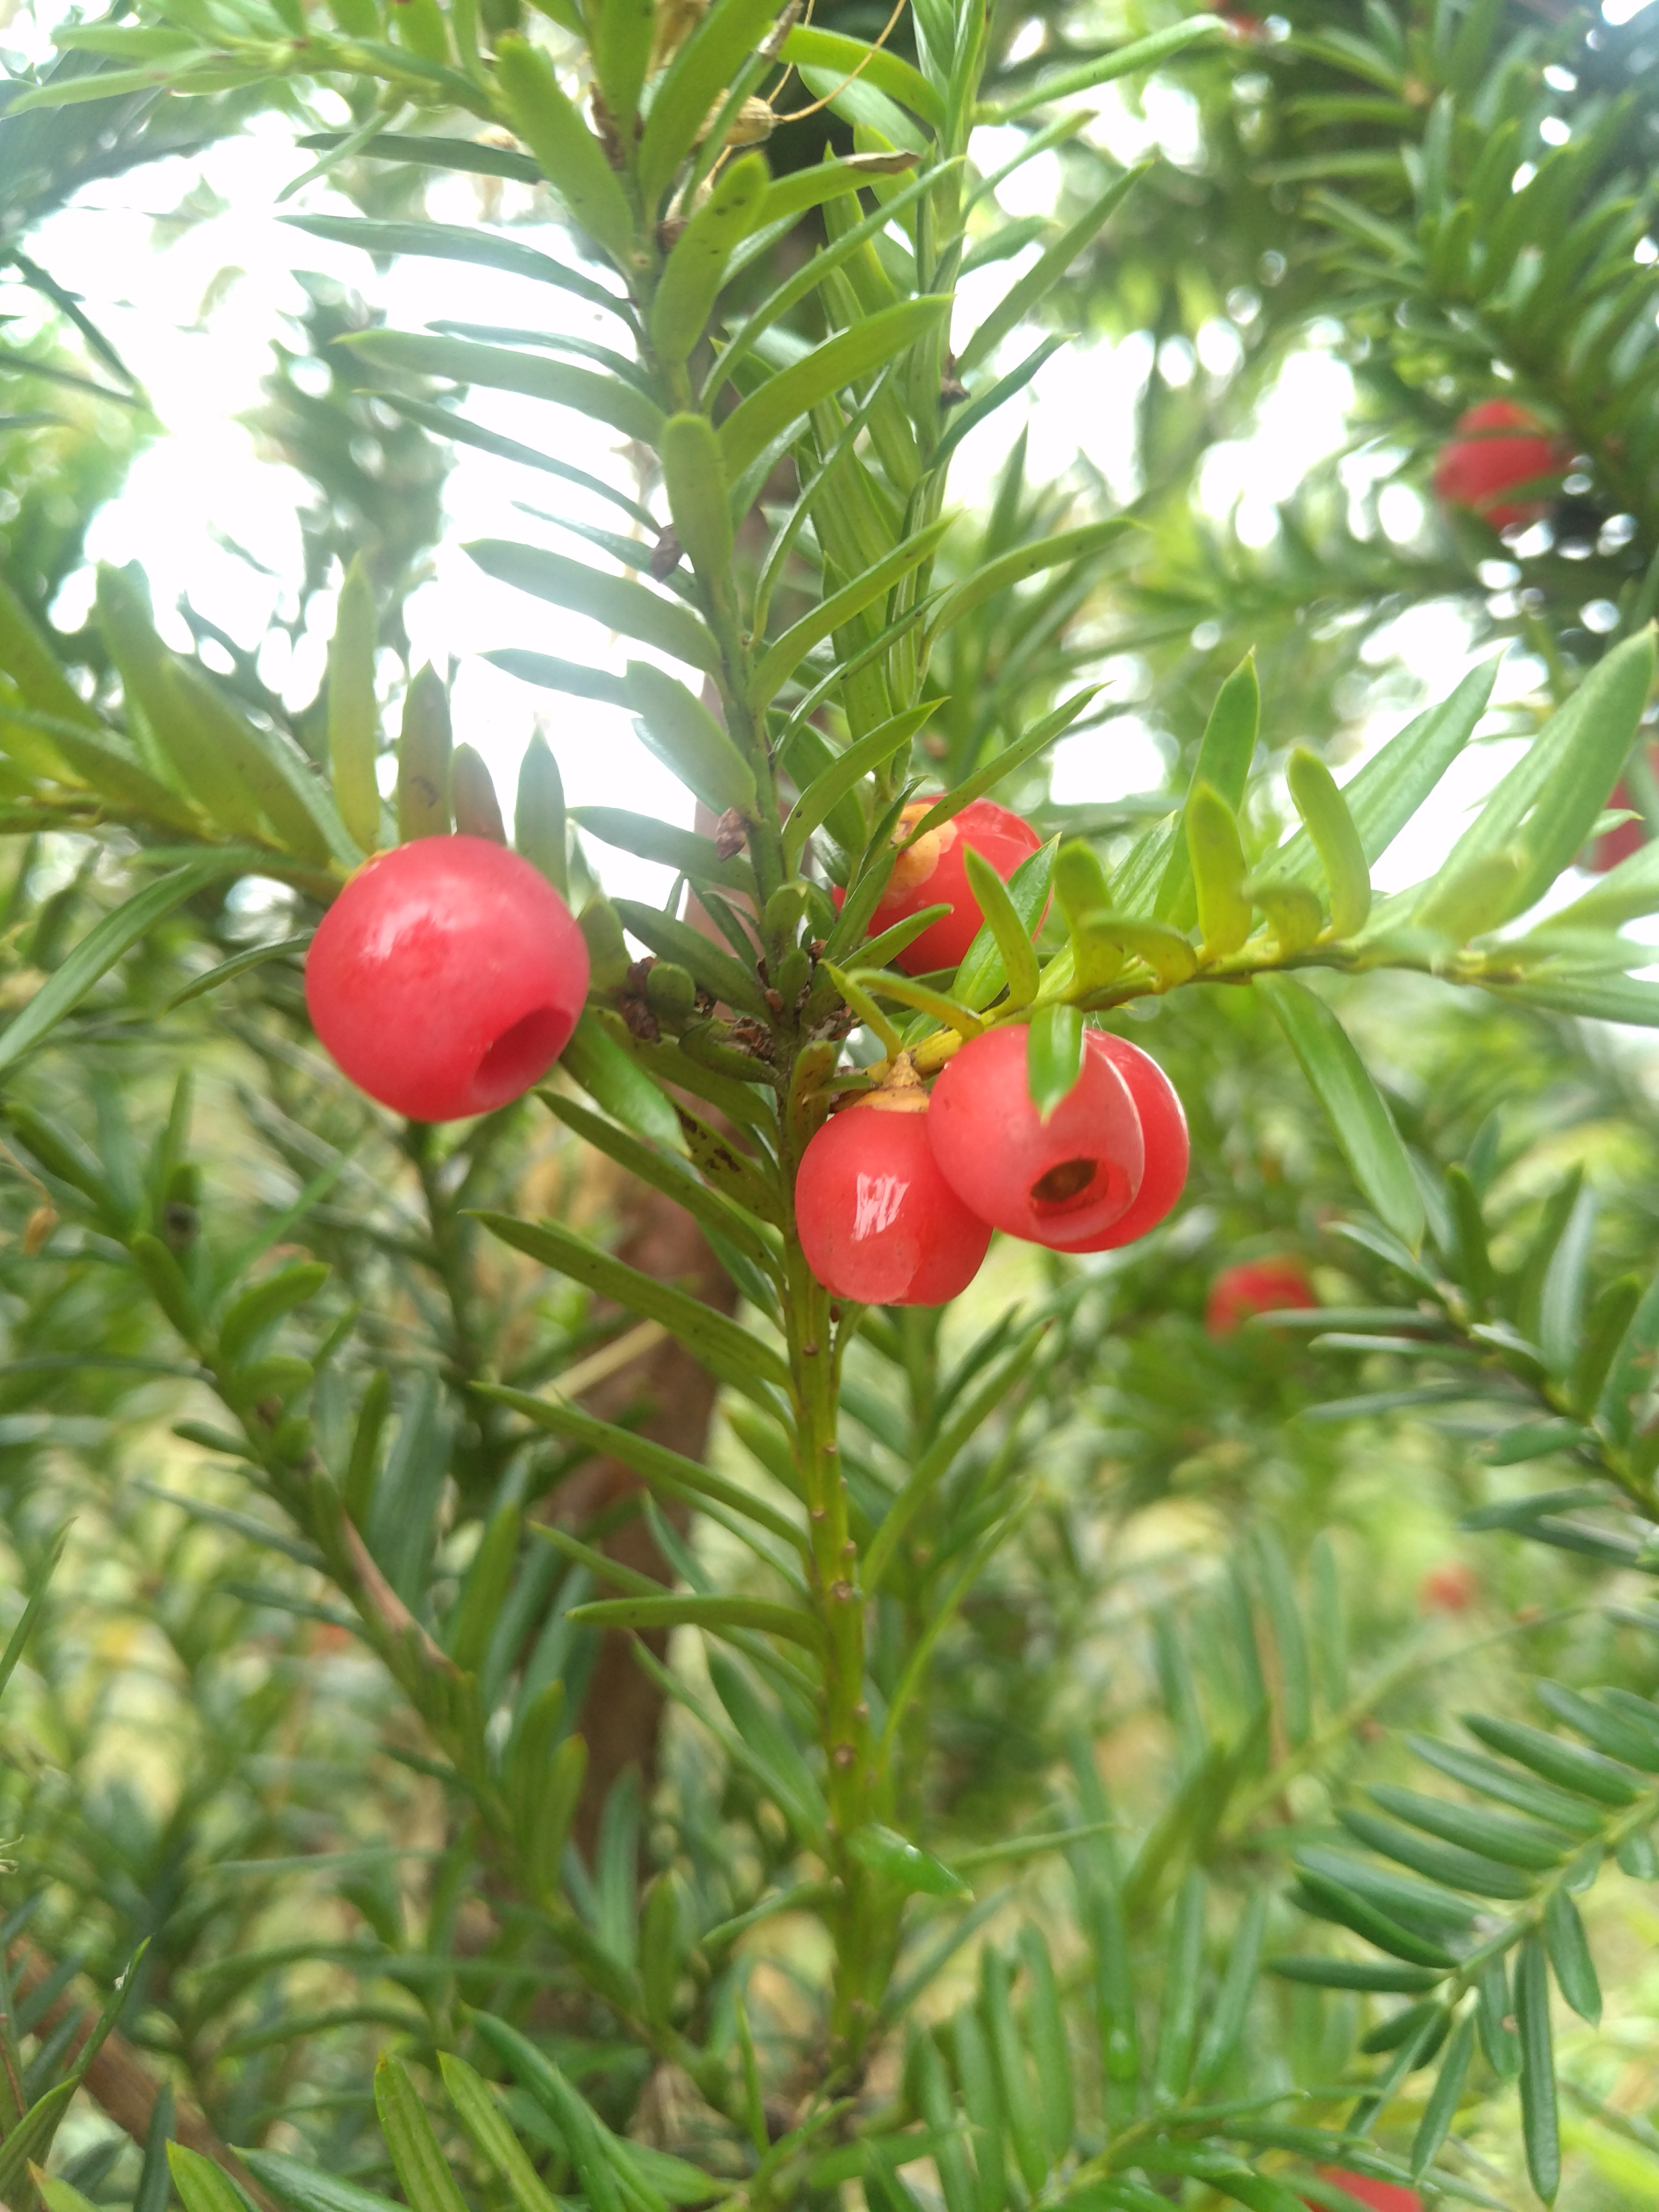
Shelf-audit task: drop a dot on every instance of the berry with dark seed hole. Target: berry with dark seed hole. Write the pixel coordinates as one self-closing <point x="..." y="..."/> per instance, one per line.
<point x="933" y="872"/>
<point x="1255" y="1286"/>
<point x="1055" y="1183"/>
<point x="879" y="1223"/>
<point x="1497" y="449"/>
<point x="1164" y="1134"/>
<point x="446" y="977"/>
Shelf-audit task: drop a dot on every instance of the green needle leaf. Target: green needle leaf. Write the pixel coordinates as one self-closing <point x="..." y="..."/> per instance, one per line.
<point x="1361" y="1122"/>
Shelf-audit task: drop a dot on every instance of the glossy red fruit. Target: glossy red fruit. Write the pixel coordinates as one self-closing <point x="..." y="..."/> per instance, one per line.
<point x="1054" y="1182"/>
<point x="1381" y="2196"/>
<point x="934" y="872"/>
<point x="1497" y="447"/>
<point x="879" y="1223"/>
<point x="1256" y="1287"/>
<point x="446" y="977"/>
<point x="1163" y="1134"/>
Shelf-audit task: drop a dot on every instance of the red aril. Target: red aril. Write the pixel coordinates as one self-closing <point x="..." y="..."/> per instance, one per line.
<point x="879" y="1223"/>
<point x="1451" y="1587"/>
<point x="1380" y="2196"/>
<point x="1054" y="1183"/>
<point x="1496" y="449"/>
<point x="1163" y="1134"/>
<point x="933" y="872"/>
<point x="446" y="977"/>
<point x="1255" y="1286"/>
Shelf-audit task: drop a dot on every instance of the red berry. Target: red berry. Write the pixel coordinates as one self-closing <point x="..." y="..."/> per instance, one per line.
<point x="1497" y="447"/>
<point x="1255" y="1286"/>
<point x="1381" y="2196"/>
<point x="1450" y="1588"/>
<point x="446" y="977"/>
<point x="1054" y="1183"/>
<point x="1164" y="1134"/>
<point x="933" y="872"/>
<point x="879" y="1223"/>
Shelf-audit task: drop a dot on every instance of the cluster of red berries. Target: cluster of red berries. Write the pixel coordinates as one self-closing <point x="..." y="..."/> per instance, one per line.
<point x="1497" y="450"/>
<point x="898" y="1195"/>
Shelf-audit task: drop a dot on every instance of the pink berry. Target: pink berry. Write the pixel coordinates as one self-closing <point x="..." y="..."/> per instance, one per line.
<point x="1055" y="1183"/>
<point x="446" y="977"/>
<point x="1496" y="448"/>
<point x="1255" y="1286"/>
<point x="1164" y="1134"/>
<point x="933" y="872"/>
<point x="878" y="1222"/>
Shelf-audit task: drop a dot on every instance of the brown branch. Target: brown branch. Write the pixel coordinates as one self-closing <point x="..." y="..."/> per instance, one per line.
<point x="119" y="2079"/>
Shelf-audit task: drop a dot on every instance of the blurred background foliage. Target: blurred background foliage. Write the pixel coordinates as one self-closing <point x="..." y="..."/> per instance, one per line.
<point x="201" y="1753"/>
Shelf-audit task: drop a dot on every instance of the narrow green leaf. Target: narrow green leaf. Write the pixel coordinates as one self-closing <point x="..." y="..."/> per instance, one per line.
<point x="1225" y="754"/>
<point x="1007" y="925"/>
<point x="786" y="653"/>
<point x="696" y="81"/>
<point x="1225" y="2024"/>
<point x="731" y="1352"/>
<point x="694" y="475"/>
<point x="809" y="47"/>
<point x="204" y="2187"/>
<point x="1037" y="281"/>
<point x="1336" y="840"/>
<point x="353" y="713"/>
<point x="728" y="979"/>
<point x="1570" y="1955"/>
<point x="1441" y="2108"/>
<point x="1216" y="858"/>
<point x="1180" y="1988"/>
<point x="294" y="2181"/>
<point x="454" y="242"/>
<point x="868" y="753"/>
<point x="903" y="1864"/>
<point x="1015" y="567"/>
<point x="423" y="755"/>
<point x="1538" y="2112"/>
<point x="17" y="1642"/>
<point x="421" y="2167"/>
<point x="712" y="1614"/>
<point x="565" y="150"/>
<point x="491" y="2135"/>
<point x="671" y="1176"/>
<point x="696" y="268"/>
<point x="103" y="944"/>
<point x="617" y="602"/>
<point x="1053" y="1056"/>
<point x="1361" y="1122"/>
<point x="1125" y="61"/>
<point x="849" y="357"/>
<point x="686" y="736"/>
<point x="1605" y="710"/>
<point x="602" y="399"/>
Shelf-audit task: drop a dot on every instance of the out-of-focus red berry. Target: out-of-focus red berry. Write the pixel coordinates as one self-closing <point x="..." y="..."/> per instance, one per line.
<point x="1163" y="1135"/>
<point x="1255" y="1286"/>
<point x="1450" y="1588"/>
<point x="933" y="872"/>
<point x="1496" y="448"/>
<point x="446" y="977"/>
<point x="1381" y="2196"/>
<point x="1054" y="1181"/>
<point x="879" y="1223"/>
